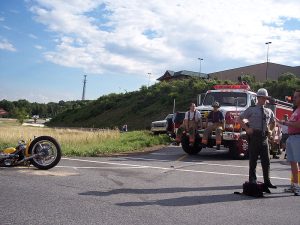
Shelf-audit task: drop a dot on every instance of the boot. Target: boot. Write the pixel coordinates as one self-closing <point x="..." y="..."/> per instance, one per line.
<point x="270" y="185"/>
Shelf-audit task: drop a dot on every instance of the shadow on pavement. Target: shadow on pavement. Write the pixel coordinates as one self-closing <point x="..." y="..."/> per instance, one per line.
<point x="186" y="200"/>
<point x="163" y="190"/>
<point x="157" y="191"/>
<point x="197" y="200"/>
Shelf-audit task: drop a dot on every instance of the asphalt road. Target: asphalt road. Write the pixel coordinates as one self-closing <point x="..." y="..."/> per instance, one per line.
<point x="163" y="187"/>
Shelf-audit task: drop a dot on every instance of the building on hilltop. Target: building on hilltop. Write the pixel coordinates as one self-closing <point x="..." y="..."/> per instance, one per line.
<point x="257" y="70"/>
<point x="183" y="74"/>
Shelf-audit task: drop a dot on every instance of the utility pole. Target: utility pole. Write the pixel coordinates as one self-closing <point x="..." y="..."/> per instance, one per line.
<point x="174" y="103"/>
<point x="149" y="79"/>
<point x="84" y="85"/>
<point x="267" y="43"/>
<point x="200" y="59"/>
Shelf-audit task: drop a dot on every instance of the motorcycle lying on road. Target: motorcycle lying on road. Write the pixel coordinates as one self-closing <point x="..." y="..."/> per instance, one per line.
<point x="43" y="152"/>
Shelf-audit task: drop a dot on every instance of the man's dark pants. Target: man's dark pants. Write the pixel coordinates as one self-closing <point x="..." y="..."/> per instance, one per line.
<point x="259" y="146"/>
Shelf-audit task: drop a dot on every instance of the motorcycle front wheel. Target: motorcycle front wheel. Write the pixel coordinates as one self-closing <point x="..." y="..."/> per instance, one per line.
<point x="46" y="151"/>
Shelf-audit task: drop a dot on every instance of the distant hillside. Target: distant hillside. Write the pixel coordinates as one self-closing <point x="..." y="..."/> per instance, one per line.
<point x="138" y="109"/>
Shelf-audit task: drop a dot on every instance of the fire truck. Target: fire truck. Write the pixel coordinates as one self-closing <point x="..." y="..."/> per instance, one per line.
<point x="233" y="99"/>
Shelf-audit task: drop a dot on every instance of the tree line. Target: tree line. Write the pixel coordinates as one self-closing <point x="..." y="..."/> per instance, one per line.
<point x="25" y="109"/>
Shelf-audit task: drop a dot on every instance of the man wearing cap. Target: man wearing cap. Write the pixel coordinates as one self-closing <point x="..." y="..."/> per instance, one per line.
<point x="217" y="119"/>
<point x="261" y="121"/>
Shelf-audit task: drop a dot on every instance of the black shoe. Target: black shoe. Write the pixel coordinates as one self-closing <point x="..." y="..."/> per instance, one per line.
<point x="218" y="147"/>
<point x="203" y="145"/>
<point x="269" y="185"/>
<point x="276" y="157"/>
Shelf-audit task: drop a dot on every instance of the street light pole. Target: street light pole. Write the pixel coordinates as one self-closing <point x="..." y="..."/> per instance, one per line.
<point x="267" y="43"/>
<point x="200" y="59"/>
<point x="149" y="79"/>
<point x="84" y="86"/>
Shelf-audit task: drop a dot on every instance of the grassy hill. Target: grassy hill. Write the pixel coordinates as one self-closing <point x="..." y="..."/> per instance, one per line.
<point x="138" y="109"/>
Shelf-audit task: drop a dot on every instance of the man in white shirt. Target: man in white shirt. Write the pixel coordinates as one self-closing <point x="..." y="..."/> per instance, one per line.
<point x="191" y="122"/>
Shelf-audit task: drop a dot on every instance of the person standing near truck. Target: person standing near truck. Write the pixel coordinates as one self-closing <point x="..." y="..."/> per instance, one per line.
<point x="191" y="122"/>
<point x="293" y="143"/>
<point x="216" y="119"/>
<point x="284" y="132"/>
<point x="261" y="121"/>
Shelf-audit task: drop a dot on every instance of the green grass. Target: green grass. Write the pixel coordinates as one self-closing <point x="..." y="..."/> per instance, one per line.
<point x="84" y="143"/>
<point x="134" y="141"/>
<point x="8" y="122"/>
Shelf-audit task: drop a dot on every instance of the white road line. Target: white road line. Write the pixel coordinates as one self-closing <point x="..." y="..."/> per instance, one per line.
<point x="102" y="167"/>
<point x="164" y="168"/>
<point x="99" y="162"/>
<point x="194" y="163"/>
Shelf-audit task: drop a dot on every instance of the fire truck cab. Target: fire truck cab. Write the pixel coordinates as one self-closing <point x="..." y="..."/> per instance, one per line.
<point x="233" y="99"/>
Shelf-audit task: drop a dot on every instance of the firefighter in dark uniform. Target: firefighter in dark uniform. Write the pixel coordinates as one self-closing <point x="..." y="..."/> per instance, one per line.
<point x="261" y="121"/>
<point x="216" y="119"/>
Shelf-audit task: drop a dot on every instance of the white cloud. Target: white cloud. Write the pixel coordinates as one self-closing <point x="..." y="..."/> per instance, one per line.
<point x="6" y="27"/>
<point x="2" y="19"/>
<point x="6" y="45"/>
<point x="39" y="47"/>
<point x="32" y="36"/>
<point x="15" y="11"/>
<point x="111" y="35"/>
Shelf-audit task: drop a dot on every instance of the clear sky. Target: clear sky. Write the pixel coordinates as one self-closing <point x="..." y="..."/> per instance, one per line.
<point x="46" y="46"/>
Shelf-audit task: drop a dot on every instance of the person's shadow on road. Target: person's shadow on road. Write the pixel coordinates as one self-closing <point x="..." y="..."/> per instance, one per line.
<point x="181" y="201"/>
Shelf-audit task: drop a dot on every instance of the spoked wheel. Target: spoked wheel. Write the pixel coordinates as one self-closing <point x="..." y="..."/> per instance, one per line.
<point x="47" y="152"/>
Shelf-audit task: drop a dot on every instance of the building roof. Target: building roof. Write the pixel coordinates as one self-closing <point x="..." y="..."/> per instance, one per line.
<point x="169" y="74"/>
<point x="261" y="71"/>
<point x="3" y="112"/>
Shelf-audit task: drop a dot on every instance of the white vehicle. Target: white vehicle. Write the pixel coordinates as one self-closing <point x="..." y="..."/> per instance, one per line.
<point x="233" y="99"/>
<point x="161" y="126"/>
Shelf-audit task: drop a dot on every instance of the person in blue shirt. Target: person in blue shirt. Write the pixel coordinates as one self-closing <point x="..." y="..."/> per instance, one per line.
<point x="216" y="118"/>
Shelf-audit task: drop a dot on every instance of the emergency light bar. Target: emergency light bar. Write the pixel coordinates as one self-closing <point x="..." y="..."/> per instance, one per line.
<point x="232" y="86"/>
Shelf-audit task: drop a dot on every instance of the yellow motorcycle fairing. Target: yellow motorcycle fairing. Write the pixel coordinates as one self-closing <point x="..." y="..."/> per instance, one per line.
<point x="9" y="150"/>
<point x="27" y="148"/>
<point x="12" y="150"/>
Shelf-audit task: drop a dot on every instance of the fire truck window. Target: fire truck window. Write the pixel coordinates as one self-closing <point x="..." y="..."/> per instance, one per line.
<point x="241" y="101"/>
<point x="228" y="101"/>
<point x="226" y="98"/>
<point x="209" y="99"/>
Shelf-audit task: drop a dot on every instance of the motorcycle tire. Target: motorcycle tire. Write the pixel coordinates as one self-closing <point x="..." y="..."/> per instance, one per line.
<point x="35" y="148"/>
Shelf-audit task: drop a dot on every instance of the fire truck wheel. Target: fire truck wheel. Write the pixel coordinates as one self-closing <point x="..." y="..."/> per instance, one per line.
<point x="239" y="149"/>
<point x="191" y="150"/>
